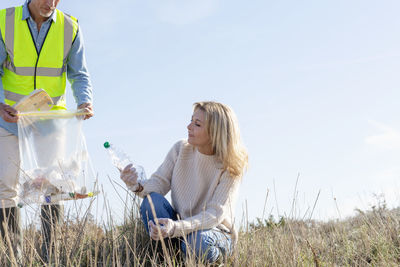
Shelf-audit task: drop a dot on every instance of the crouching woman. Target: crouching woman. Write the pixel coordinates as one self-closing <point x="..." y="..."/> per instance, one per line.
<point x="203" y="175"/>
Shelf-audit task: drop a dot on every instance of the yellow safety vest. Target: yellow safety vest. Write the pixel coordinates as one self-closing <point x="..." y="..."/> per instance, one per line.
<point x="27" y="69"/>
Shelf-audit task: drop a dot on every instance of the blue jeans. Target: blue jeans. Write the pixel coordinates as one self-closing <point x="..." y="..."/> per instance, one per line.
<point x="210" y="245"/>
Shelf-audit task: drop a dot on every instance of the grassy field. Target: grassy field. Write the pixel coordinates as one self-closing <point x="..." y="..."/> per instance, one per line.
<point x="371" y="238"/>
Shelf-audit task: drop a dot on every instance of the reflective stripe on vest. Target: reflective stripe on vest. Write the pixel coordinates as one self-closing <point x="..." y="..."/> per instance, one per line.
<point x="26" y="68"/>
<point x="17" y="97"/>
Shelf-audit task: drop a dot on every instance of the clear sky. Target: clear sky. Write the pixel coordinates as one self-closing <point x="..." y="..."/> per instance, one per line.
<point x="315" y="86"/>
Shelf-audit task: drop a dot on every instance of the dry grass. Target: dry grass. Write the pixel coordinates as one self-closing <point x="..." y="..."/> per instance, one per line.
<point x="369" y="239"/>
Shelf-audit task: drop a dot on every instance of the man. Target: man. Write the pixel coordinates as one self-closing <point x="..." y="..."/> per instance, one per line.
<point x="40" y="47"/>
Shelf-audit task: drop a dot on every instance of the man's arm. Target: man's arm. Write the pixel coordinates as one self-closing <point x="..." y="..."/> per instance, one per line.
<point x="8" y="113"/>
<point x="3" y="56"/>
<point x="78" y="76"/>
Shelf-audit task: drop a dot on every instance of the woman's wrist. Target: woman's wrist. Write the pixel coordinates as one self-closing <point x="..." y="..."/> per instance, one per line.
<point x="136" y="188"/>
<point x="139" y="188"/>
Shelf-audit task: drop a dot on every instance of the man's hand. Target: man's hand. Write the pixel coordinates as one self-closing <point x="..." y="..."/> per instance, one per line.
<point x="8" y="113"/>
<point x="86" y="108"/>
<point x="167" y="228"/>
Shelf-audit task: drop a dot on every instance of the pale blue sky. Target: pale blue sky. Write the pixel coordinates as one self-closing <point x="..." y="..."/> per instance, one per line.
<point x="315" y="86"/>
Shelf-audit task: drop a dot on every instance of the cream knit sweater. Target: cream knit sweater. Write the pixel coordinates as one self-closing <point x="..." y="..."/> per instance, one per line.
<point x="202" y="194"/>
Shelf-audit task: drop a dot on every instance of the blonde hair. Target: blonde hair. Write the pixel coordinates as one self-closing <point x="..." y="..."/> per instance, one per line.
<point x="223" y="130"/>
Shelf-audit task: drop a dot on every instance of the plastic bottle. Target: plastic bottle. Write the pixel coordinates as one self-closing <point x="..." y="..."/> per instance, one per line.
<point x="59" y="197"/>
<point x="121" y="160"/>
<point x="47" y="199"/>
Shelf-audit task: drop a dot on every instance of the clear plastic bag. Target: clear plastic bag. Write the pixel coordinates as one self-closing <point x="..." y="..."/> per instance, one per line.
<point x="55" y="163"/>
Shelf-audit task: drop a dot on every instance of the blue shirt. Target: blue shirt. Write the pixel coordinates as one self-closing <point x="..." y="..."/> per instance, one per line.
<point x="77" y="72"/>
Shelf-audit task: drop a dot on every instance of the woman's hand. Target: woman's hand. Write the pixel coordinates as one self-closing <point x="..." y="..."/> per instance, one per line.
<point x="129" y="176"/>
<point x="167" y="227"/>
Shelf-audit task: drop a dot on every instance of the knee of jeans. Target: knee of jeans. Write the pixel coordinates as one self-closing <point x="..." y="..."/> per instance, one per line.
<point x="202" y="247"/>
<point x="145" y="206"/>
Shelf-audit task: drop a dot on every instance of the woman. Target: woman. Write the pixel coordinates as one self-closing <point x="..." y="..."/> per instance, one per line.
<point x="203" y="175"/>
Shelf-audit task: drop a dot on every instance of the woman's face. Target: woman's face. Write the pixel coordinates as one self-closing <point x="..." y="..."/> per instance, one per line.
<point x="197" y="132"/>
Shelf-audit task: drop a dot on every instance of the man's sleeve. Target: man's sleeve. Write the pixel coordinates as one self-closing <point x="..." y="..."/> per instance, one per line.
<point x="77" y="72"/>
<point x="3" y="56"/>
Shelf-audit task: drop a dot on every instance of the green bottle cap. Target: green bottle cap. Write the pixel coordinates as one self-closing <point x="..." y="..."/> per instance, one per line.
<point x="106" y="144"/>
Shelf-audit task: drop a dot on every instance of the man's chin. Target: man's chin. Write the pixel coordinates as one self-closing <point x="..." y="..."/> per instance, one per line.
<point x="46" y="15"/>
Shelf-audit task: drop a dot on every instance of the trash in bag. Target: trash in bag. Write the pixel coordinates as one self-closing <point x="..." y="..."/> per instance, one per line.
<point x="55" y="163"/>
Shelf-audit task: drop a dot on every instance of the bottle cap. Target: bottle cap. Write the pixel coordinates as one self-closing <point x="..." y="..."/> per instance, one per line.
<point x="106" y="144"/>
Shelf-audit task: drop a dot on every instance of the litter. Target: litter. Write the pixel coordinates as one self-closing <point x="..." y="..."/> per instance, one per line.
<point x="55" y="163"/>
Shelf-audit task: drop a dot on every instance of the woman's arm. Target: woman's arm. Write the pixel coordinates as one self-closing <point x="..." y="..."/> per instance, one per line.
<point x="160" y="181"/>
<point x="218" y="209"/>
